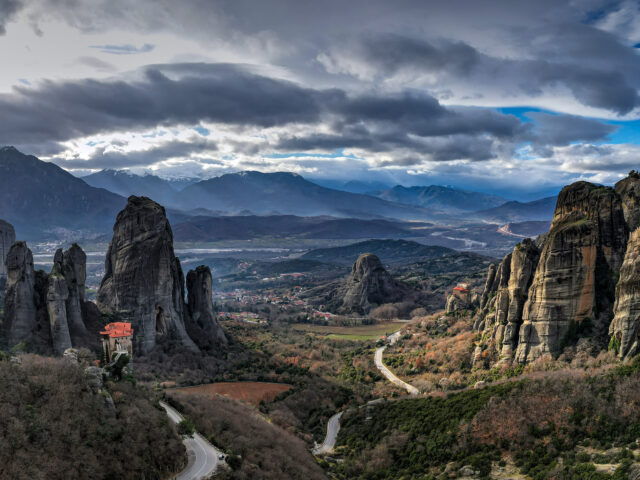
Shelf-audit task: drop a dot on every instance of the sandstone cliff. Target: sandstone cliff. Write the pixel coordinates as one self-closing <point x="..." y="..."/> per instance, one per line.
<point x="47" y="312"/>
<point x="143" y="282"/>
<point x="7" y="239"/>
<point x="572" y="286"/>
<point x="57" y="295"/>
<point x="201" y="322"/>
<point x="625" y="326"/>
<point x="20" y="300"/>
<point x="629" y="191"/>
<point x="74" y="270"/>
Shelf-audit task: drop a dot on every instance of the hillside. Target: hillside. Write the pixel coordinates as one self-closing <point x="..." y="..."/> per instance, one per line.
<point x="388" y="251"/>
<point x="441" y="198"/>
<point x="37" y="196"/>
<point x="287" y="193"/>
<point x="538" y="210"/>
<point x="57" y="425"/>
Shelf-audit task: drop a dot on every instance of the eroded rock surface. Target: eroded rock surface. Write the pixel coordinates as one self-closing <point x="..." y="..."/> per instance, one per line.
<point x="578" y="263"/>
<point x="57" y="295"/>
<point x="201" y="323"/>
<point x="625" y="326"/>
<point x="20" y="300"/>
<point x="370" y="284"/>
<point x="143" y="282"/>
<point x="7" y="239"/>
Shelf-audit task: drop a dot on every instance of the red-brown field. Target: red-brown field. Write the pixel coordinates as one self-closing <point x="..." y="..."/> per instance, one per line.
<point x="251" y="392"/>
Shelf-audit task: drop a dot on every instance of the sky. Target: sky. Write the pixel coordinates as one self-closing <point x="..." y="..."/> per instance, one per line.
<point x="515" y="97"/>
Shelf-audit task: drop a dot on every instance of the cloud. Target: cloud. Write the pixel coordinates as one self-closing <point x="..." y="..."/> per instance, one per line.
<point x="177" y="94"/>
<point x="8" y="9"/>
<point x="595" y="80"/>
<point x="124" y="49"/>
<point x="107" y="158"/>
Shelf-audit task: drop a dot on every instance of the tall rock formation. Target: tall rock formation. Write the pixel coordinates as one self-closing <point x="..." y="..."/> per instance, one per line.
<point x="573" y="281"/>
<point x="201" y="322"/>
<point x="370" y="284"/>
<point x="20" y="305"/>
<point x="143" y="282"/>
<point x="524" y="261"/>
<point x="625" y="327"/>
<point x="57" y="296"/>
<point x="7" y="238"/>
<point x="629" y="191"/>
<point x="74" y="270"/>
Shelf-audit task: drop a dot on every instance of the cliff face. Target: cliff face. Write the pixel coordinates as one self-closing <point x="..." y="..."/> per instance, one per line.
<point x="20" y="300"/>
<point x="578" y="262"/>
<point x="7" y="238"/>
<point x="47" y="312"/>
<point x="201" y="322"/>
<point x="524" y="261"/>
<point x="625" y="326"/>
<point x="629" y="191"/>
<point x="57" y="295"/>
<point x="143" y="282"/>
<point x="74" y="270"/>
<point x="368" y="284"/>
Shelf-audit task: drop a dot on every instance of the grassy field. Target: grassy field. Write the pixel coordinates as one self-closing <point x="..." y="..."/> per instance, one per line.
<point x="362" y="332"/>
<point x="250" y="392"/>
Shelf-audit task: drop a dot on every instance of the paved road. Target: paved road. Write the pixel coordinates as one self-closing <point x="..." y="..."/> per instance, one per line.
<point x="333" y="427"/>
<point x="388" y="373"/>
<point x="203" y="458"/>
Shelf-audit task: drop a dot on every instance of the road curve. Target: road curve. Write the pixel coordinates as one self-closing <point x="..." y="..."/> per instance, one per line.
<point x="388" y="373"/>
<point x="333" y="427"/>
<point x="203" y="457"/>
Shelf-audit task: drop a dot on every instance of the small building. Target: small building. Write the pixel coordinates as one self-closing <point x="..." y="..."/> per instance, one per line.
<point x="117" y="338"/>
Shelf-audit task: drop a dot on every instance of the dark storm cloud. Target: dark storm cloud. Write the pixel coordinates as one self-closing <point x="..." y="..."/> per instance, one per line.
<point x="565" y="129"/>
<point x="597" y="76"/>
<point x="102" y="159"/>
<point x="218" y="93"/>
<point x="8" y="8"/>
<point x="187" y="94"/>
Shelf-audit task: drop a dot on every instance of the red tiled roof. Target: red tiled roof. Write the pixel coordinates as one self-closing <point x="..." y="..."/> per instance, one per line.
<point x="117" y="329"/>
<point x="460" y="289"/>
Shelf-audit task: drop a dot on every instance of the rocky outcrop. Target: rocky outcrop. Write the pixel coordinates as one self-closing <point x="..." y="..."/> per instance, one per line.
<point x="7" y="239"/>
<point x="369" y="284"/>
<point x="524" y="261"/>
<point x="488" y="286"/>
<point x="74" y="270"/>
<point x="57" y="296"/>
<point x="493" y="313"/>
<point x="625" y="327"/>
<point x="572" y="286"/>
<point x="20" y="305"/>
<point x="143" y="282"/>
<point x="47" y="312"/>
<point x="629" y="191"/>
<point x="201" y="322"/>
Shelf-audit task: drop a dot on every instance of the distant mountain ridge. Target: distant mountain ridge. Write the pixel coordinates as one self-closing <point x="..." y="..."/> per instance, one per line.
<point x="538" y="210"/>
<point x="441" y="198"/>
<point x="289" y="193"/>
<point x="36" y="196"/>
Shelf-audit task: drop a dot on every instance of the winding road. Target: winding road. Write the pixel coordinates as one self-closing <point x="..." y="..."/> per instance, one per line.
<point x="333" y="427"/>
<point x="203" y="457"/>
<point x="388" y="373"/>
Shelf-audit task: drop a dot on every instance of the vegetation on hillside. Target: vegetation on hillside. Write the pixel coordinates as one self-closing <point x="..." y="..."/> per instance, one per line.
<point x="55" y="425"/>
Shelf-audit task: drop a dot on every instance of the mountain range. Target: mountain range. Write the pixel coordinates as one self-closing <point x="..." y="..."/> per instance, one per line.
<point x="441" y="198"/>
<point x="39" y="197"/>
